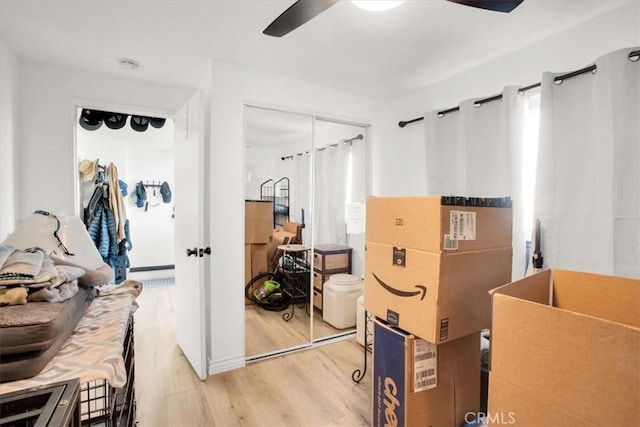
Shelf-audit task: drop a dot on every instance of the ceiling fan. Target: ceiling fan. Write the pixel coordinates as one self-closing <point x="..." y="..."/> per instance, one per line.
<point x="304" y="10"/>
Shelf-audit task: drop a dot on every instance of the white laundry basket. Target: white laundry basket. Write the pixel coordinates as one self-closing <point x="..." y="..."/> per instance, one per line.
<point x="340" y="294"/>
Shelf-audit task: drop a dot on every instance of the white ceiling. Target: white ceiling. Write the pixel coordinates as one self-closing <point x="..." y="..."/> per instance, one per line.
<point x="380" y="55"/>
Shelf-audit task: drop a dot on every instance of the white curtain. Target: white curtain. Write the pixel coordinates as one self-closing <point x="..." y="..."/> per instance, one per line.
<point x="299" y="192"/>
<point x="588" y="176"/>
<point x="478" y="152"/>
<point x="331" y="167"/>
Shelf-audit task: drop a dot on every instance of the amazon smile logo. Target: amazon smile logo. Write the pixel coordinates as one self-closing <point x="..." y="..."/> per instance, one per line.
<point x="407" y="294"/>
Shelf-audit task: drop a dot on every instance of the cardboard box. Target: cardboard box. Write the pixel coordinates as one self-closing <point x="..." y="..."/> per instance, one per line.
<point x="455" y="381"/>
<point x="573" y="362"/>
<point x="438" y="297"/>
<point x="255" y="262"/>
<point x="278" y="238"/>
<point x="438" y="223"/>
<point x="258" y="221"/>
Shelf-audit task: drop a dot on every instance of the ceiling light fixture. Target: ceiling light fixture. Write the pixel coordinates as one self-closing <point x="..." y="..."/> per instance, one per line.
<point x="377" y="5"/>
<point x="128" y="64"/>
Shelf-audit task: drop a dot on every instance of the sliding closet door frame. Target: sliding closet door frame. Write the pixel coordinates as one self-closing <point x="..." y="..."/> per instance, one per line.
<point x="314" y="115"/>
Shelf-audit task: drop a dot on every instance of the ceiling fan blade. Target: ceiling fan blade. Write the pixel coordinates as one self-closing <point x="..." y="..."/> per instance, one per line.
<point x="505" y="6"/>
<point x="296" y="15"/>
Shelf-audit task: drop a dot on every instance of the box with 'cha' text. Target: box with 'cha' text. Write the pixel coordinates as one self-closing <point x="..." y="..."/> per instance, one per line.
<point x="416" y="383"/>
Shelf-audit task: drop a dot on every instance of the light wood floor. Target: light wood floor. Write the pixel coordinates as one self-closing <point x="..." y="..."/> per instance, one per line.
<point x="307" y="388"/>
<point x="267" y="331"/>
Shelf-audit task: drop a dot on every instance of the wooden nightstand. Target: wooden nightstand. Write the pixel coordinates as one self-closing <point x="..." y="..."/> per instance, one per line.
<point x="328" y="260"/>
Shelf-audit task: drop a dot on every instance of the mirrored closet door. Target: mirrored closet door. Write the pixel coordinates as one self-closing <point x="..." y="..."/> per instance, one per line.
<point x="340" y="189"/>
<point x="278" y="147"/>
<point x="305" y="190"/>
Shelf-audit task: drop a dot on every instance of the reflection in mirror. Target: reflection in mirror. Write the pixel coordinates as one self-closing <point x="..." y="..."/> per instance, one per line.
<point x="340" y="187"/>
<point x="277" y="207"/>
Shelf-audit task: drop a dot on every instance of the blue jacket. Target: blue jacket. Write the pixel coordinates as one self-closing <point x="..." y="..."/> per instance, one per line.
<point x="102" y="231"/>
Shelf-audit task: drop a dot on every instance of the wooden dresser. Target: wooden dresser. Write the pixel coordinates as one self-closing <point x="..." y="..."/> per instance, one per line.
<point x="328" y="260"/>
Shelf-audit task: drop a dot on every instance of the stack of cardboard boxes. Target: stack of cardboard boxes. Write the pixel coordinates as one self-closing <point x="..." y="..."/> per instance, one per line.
<point x="258" y="230"/>
<point x="429" y="264"/>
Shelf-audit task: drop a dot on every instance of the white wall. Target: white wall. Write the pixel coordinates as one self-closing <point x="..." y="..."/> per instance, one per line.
<point x="48" y="97"/>
<point x="232" y="87"/>
<point x="8" y="138"/>
<point x="399" y="153"/>
<point x="139" y="156"/>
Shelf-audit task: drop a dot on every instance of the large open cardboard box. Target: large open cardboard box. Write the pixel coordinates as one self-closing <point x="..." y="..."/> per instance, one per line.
<point x="455" y="394"/>
<point x="436" y="297"/>
<point x="574" y="361"/>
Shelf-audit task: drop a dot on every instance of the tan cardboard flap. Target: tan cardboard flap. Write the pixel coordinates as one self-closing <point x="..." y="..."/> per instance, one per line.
<point x="606" y="297"/>
<point x="588" y="366"/>
<point x="507" y="400"/>
<point x="531" y="288"/>
<point x="466" y="278"/>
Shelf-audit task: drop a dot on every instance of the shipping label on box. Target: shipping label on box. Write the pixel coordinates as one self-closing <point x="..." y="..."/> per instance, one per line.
<point x="462" y="225"/>
<point x="425" y="365"/>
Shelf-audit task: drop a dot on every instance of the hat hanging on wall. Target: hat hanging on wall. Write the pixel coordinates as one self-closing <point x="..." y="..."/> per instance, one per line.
<point x="156" y="122"/>
<point x="93" y="120"/>
<point x="115" y="120"/>
<point x="139" y="123"/>
<point x="90" y="119"/>
<point x="87" y="169"/>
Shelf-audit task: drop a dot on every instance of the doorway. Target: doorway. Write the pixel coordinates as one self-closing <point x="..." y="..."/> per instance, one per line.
<point x="141" y="150"/>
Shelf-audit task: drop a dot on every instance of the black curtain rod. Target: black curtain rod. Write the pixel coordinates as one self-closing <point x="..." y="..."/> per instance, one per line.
<point x="633" y="56"/>
<point x="350" y="140"/>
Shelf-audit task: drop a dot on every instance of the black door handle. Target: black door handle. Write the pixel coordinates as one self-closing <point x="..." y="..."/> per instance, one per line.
<point x="206" y="250"/>
<point x="193" y="251"/>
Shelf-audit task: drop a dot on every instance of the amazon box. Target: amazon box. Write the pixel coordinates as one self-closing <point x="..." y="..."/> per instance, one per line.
<point x="440" y="223"/>
<point x="572" y="359"/>
<point x="438" y="297"/>
<point x="416" y="383"/>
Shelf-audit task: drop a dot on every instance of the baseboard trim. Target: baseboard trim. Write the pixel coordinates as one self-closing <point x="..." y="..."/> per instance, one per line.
<point x="224" y="365"/>
<point x="153" y="268"/>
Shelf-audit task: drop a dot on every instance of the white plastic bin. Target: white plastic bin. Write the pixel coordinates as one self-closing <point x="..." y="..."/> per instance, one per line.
<point x="340" y="294"/>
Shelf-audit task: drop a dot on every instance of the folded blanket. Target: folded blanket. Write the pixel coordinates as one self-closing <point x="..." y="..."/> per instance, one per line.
<point x="60" y="293"/>
<point x="5" y="251"/>
<point x="22" y="265"/>
<point x="128" y="287"/>
<point x="92" y="277"/>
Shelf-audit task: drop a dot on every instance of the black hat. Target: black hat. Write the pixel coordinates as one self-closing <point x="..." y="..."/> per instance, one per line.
<point x="139" y="123"/>
<point x="90" y="119"/>
<point x="156" y="122"/>
<point x="115" y="120"/>
<point x="166" y="192"/>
